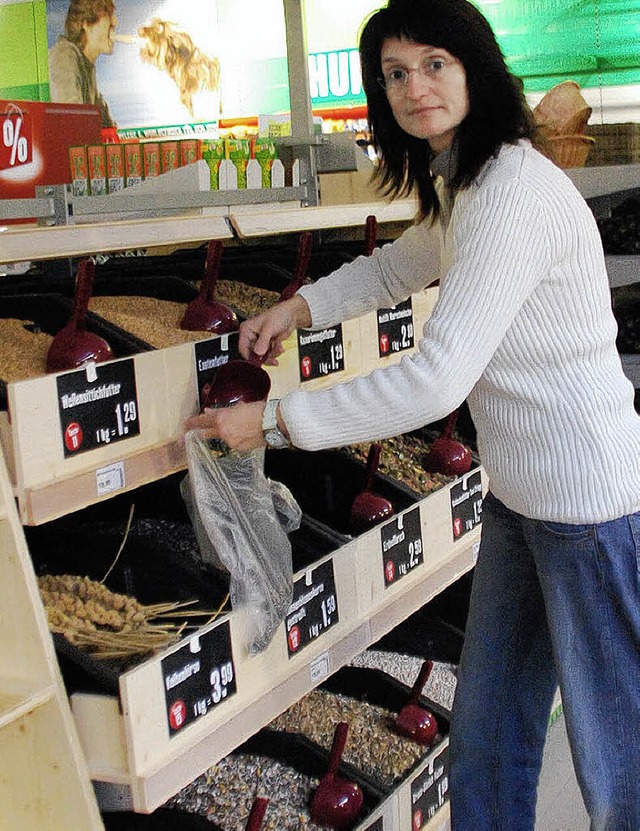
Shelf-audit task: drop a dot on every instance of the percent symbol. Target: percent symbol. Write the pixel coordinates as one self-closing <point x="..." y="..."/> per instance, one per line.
<point x="12" y="139"/>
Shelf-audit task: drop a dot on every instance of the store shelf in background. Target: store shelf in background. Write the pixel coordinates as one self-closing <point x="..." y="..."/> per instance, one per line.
<point x="14" y="705"/>
<point x="631" y="367"/>
<point x="623" y="269"/>
<point x="594" y="182"/>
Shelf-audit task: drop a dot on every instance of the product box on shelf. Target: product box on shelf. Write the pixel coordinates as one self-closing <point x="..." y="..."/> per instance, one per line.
<point x="115" y="167"/>
<point x="97" y="162"/>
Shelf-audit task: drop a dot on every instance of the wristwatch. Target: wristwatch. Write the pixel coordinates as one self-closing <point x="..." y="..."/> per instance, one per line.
<point x="273" y="435"/>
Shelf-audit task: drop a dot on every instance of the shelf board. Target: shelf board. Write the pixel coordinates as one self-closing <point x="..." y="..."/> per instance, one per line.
<point x="14" y="705"/>
<point x="623" y="269"/>
<point x="631" y="367"/>
<point x="259" y="223"/>
<point x="33" y="242"/>
<point x="602" y="181"/>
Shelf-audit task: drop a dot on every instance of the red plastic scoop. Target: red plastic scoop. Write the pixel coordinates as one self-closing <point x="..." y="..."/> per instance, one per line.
<point x="305" y="242"/>
<point x="413" y="720"/>
<point x="235" y="382"/>
<point x="369" y="508"/>
<point x="73" y="346"/>
<point x="446" y="455"/>
<point x="204" y="313"/>
<point x="337" y="801"/>
<point x="256" y="815"/>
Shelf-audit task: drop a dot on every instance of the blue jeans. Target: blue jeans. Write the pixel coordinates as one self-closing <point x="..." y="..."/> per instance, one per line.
<point x="551" y="604"/>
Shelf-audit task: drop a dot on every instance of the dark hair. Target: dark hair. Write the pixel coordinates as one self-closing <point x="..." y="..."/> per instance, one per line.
<point x="85" y="11"/>
<point x="498" y="111"/>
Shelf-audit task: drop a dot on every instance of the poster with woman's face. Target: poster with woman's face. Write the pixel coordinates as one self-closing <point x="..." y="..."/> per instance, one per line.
<point x="153" y="64"/>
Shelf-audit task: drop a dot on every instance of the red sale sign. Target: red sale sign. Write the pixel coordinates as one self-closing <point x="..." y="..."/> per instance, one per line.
<point x="16" y="147"/>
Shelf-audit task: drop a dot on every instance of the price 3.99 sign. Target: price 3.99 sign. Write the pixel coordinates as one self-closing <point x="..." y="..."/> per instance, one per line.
<point x="98" y="405"/>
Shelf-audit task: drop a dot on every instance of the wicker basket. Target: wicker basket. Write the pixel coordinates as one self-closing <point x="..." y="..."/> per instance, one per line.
<point x="570" y="151"/>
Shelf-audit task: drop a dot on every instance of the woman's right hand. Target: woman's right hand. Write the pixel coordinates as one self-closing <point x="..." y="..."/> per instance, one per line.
<point x="262" y="336"/>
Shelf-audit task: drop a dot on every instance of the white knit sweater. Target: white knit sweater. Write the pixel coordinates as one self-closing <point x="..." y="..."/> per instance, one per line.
<point x="523" y="328"/>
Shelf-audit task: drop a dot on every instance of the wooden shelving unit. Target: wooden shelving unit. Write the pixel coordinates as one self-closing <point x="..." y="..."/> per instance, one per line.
<point x="125" y="739"/>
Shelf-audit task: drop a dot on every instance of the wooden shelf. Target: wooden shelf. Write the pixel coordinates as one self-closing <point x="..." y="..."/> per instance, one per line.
<point x="15" y="705"/>
<point x="593" y="182"/>
<point x="623" y="269"/>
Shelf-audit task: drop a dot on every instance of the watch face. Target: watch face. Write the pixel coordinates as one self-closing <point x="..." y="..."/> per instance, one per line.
<point x="276" y="439"/>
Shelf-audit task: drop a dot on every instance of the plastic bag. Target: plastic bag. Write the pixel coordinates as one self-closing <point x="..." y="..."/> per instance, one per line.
<point x="242" y="519"/>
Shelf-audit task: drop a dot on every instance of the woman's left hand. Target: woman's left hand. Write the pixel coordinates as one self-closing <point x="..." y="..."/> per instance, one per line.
<point x="239" y="427"/>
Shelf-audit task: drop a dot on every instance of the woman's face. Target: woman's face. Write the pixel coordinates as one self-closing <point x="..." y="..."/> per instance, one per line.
<point x="426" y="88"/>
<point x="98" y="36"/>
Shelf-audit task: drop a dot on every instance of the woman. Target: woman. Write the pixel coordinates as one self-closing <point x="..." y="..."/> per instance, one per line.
<point x="523" y="330"/>
<point x="89" y="28"/>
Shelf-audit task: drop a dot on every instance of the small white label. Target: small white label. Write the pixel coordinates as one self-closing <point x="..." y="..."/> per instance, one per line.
<point x="91" y="372"/>
<point x="475" y="550"/>
<point x="320" y="668"/>
<point x="110" y="479"/>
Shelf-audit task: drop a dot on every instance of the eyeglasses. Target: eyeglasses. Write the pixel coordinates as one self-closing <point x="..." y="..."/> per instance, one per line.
<point x="396" y="81"/>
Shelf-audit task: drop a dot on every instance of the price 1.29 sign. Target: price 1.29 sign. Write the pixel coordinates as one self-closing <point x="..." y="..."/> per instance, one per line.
<point x="320" y="353"/>
<point x="198" y="677"/>
<point x="98" y="405"/>
<point x="402" y="550"/>
<point x="314" y="608"/>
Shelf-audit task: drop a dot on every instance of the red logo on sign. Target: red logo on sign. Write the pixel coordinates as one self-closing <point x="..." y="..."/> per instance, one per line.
<point x="457" y="527"/>
<point x="294" y="638"/>
<point x="16" y="141"/>
<point x="305" y="366"/>
<point x="390" y="571"/>
<point x="384" y="342"/>
<point x="73" y="436"/>
<point x="177" y="714"/>
<point x="417" y="820"/>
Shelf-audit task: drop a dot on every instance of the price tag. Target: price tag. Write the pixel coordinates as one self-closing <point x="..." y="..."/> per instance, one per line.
<point x="16" y="147"/>
<point x="320" y="353"/>
<point x="198" y="677"/>
<point x="209" y="355"/>
<point x="314" y="609"/>
<point x="401" y="545"/>
<point x="110" y="479"/>
<point x="466" y="504"/>
<point x="378" y="825"/>
<point x="395" y="328"/>
<point x="98" y="405"/>
<point x="430" y="790"/>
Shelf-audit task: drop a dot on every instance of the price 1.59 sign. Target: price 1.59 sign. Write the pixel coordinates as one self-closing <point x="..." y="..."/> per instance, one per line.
<point x="466" y="504"/>
<point x="98" y="405"/>
<point x="314" y="608"/>
<point x="402" y="550"/>
<point x="320" y="353"/>
<point x="198" y="677"/>
<point x="430" y="790"/>
<point x="395" y="328"/>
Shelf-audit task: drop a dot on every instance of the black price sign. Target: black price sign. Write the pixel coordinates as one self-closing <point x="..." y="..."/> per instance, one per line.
<point x="430" y="790"/>
<point x="209" y="355"/>
<point x="378" y="825"/>
<point x="466" y="504"/>
<point x="401" y="545"/>
<point x="198" y="677"/>
<point x="320" y="353"/>
<point x="98" y="405"/>
<point x="395" y="328"/>
<point x="314" y="608"/>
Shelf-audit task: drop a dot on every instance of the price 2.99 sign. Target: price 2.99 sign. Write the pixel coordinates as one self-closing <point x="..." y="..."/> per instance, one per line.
<point x="98" y="404"/>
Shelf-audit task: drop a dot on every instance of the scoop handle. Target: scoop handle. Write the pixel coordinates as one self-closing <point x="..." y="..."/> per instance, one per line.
<point x="447" y="431"/>
<point x="373" y="462"/>
<point x="421" y="680"/>
<point x="82" y="295"/>
<point x="305" y="242"/>
<point x="370" y="234"/>
<point x="337" y="747"/>
<point x="211" y="269"/>
<point x="258" y="809"/>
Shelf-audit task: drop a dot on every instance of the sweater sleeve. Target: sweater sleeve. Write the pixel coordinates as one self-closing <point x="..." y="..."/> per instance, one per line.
<point x="387" y="277"/>
<point x="502" y="251"/>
